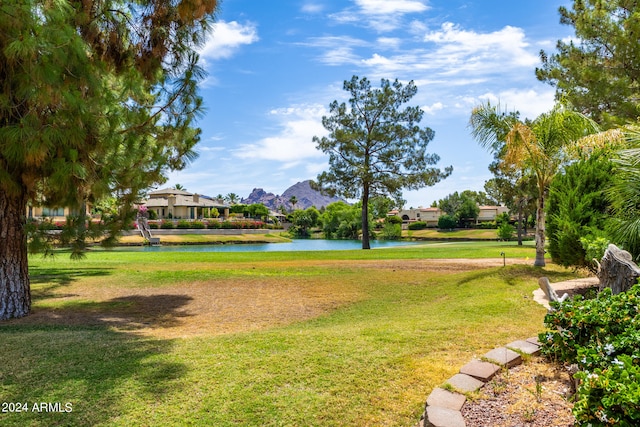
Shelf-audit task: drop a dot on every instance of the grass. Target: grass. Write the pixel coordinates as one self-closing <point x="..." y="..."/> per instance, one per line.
<point x="276" y="339"/>
<point x="432" y="233"/>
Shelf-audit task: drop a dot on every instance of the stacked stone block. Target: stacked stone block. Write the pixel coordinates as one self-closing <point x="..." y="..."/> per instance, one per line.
<point x="444" y="403"/>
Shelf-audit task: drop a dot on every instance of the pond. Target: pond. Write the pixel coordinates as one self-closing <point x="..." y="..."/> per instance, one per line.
<point x="294" y="245"/>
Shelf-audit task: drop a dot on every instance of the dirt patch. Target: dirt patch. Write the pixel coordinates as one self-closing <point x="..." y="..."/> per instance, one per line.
<point x="445" y="265"/>
<point x="191" y="309"/>
<point x="534" y="394"/>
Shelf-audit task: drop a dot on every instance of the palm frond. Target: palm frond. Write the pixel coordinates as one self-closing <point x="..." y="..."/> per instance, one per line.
<point x="612" y="139"/>
<point x="490" y="124"/>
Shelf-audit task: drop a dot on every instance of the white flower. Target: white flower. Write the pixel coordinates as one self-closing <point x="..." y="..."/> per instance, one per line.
<point x="549" y="336"/>
<point x="603" y="417"/>
<point x="617" y="362"/>
<point x="584" y="360"/>
<point x="609" y="349"/>
<point x="592" y="376"/>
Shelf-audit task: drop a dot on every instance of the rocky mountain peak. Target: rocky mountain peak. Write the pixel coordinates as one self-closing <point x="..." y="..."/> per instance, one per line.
<point x="304" y="194"/>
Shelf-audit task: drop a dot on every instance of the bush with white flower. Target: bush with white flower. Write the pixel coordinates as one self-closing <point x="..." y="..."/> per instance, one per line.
<point x="602" y="337"/>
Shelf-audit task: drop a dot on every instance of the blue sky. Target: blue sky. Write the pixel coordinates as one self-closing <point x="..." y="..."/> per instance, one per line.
<point x="275" y="66"/>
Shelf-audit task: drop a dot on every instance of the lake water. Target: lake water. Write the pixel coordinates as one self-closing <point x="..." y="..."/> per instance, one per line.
<point x="295" y="245"/>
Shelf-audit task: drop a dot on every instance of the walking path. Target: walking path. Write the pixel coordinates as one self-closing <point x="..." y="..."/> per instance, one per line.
<point x="444" y="403"/>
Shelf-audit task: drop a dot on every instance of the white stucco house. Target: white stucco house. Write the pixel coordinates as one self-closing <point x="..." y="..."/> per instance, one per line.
<point x="179" y="204"/>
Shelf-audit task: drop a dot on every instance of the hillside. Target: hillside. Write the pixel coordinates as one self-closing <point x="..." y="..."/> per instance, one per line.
<point x="305" y="195"/>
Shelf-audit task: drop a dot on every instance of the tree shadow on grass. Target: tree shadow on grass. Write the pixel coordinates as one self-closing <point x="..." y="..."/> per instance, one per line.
<point x="125" y="313"/>
<point x="513" y="273"/>
<point x="46" y="280"/>
<point x="89" y="355"/>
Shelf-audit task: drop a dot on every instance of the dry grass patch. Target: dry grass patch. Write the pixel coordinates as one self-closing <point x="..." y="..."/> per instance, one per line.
<point x="194" y="308"/>
<point x="257" y="296"/>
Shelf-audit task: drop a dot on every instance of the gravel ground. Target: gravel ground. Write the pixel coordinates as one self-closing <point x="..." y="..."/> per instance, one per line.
<point x="534" y="394"/>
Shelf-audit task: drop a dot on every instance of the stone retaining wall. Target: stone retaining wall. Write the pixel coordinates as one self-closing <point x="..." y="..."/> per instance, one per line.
<point x="443" y="407"/>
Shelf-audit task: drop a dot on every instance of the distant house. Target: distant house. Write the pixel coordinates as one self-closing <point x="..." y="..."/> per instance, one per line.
<point x="490" y="213"/>
<point x="431" y="215"/>
<point x="427" y="215"/>
<point x="172" y="203"/>
<point x="277" y="215"/>
<point x="55" y="214"/>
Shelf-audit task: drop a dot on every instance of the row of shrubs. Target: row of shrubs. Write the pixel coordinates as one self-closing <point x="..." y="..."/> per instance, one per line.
<point x="505" y="231"/>
<point x="200" y="225"/>
<point x="602" y="337"/>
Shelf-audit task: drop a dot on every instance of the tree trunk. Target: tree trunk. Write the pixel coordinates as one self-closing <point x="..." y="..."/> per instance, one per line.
<point x="15" y="291"/>
<point x="365" y="218"/>
<point x="520" y="209"/>
<point x="540" y="236"/>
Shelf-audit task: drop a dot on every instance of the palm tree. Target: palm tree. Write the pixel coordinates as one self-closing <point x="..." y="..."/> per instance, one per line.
<point x="539" y="147"/>
<point x="293" y="200"/>
<point x="624" y="195"/>
<point x="232" y="198"/>
<point x="180" y="187"/>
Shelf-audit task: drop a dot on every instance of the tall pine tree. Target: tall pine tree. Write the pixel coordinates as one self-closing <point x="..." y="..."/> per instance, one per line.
<point x="376" y="146"/>
<point x="97" y="97"/>
<point x="598" y="70"/>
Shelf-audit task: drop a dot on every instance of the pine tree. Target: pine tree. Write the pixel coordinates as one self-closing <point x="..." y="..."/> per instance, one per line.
<point x="97" y="98"/>
<point x="376" y="147"/>
<point x="597" y="70"/>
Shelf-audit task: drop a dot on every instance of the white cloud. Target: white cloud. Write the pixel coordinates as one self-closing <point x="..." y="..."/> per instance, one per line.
<point x="470" y="50"/>
<point x="338" y="50"/>
<point x="292" y="143"/>
<point x="386" y="7"/>
<point x="227" y="38"/>
<point x="451" y="55"/>
<point x="389" y="42"/>
<point x="378" y="61"/>
<point x="206" y="149"/>
<point x="312" y="8"/>
<point x="529" y="102"/>
<point x="381" y="15"/>
<point x="431" y="109"/>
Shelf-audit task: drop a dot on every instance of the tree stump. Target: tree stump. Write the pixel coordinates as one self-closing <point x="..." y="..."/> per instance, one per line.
<point x="617" y="270"/>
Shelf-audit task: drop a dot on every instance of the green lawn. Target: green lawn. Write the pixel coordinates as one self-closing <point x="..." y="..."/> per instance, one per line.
<point x="309" y="338"/>
<point x="471" y="233"/>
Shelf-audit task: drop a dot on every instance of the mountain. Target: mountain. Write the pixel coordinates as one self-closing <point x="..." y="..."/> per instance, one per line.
<point x="305" y="195"/>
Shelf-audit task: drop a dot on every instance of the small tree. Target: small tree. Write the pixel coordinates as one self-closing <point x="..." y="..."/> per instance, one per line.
<point x="375" y="147"/>
<point x="447" y="222"/>
<point x="303" y="220"/>
<point x="257" y="210"/>
<point x="467" y="212"/>
<point x="391" y="230"/>
<point x="340" y="220"/>
<point x="506" y="231"/>
<point x="577" y="208"/>
<point x="463" y="207"/>
<point x="232" y="198"/>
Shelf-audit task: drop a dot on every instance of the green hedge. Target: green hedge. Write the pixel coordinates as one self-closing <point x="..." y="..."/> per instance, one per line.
<point x="418" y="225"/>
<point x="602" y="337"/>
